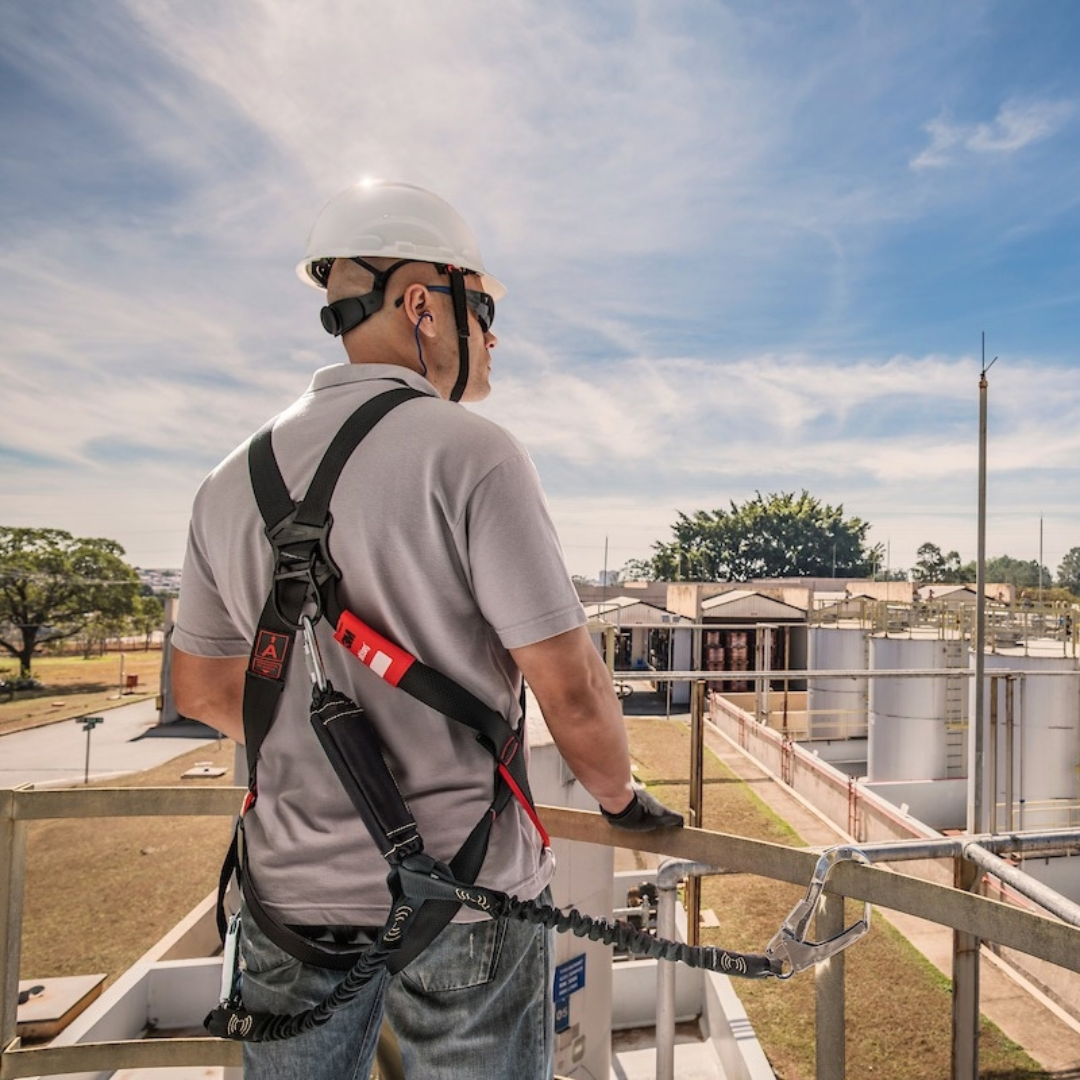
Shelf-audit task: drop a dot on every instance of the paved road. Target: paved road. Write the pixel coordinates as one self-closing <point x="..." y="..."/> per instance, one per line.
<point x="127" y="741"/>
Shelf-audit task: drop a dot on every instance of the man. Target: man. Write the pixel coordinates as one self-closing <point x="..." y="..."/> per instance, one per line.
<point x="445" y="546"/>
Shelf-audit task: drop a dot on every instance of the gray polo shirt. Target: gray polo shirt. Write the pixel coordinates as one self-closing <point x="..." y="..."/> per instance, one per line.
<point x="445" y="545"/>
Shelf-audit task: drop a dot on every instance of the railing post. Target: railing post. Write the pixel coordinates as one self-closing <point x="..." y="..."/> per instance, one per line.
<point x="965" y="974"/>
<point x="13" y="851"/>
<point x="1010" y="685"/>
<point x="829" y="996"/>
<point x="665" y="985"/>
<point x="697" y="801"/>
<point x="992" y="755"/>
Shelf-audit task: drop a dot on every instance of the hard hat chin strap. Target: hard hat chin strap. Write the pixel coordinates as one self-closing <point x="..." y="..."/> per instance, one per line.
<point x="461" y="317"/>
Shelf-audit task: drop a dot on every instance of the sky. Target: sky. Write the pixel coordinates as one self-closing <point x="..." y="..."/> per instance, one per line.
<point x="749" y="246"/>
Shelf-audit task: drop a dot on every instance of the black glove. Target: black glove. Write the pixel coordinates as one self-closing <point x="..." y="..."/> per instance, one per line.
<point x="644" y="814"/>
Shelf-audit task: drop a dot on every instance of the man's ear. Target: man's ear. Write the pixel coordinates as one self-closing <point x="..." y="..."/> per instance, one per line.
<point x="416" y="305"/>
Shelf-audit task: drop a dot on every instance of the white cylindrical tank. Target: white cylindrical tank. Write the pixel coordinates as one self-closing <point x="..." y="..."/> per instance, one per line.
<point x="837" y="708"/>
<point x="916" y="724"/>
<point x="1045" y="773"/>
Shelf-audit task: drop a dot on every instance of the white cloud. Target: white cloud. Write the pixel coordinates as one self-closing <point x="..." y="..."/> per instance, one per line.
<point x="624" y="448"/>
<point x="627" y="167"/>
<point x="1016" y="126"/>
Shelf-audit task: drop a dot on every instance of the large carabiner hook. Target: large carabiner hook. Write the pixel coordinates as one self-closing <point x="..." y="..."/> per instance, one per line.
<point x="790" y="945"/>
<point x="312" y="654"/>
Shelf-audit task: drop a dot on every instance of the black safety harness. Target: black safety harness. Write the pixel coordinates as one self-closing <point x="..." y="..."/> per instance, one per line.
<point x="425" y="894"/>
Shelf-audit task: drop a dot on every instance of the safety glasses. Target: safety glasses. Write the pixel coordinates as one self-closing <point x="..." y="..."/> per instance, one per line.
<point x="481" y="304"/>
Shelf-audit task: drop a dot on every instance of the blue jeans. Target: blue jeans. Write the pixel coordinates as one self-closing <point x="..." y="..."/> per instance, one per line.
<point x="476" y="1003"/>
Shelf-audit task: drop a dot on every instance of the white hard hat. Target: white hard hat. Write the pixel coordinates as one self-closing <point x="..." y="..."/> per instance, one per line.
<point x="385" y="219"/>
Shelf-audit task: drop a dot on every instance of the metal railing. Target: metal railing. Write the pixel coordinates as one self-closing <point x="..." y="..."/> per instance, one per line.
<point x="1008" y="626"/>
<point x="971" y="916"/>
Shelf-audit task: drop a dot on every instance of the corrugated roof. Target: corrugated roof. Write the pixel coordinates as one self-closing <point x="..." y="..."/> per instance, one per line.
<point x="747" y="604"/>
<point x="628" y="611"/>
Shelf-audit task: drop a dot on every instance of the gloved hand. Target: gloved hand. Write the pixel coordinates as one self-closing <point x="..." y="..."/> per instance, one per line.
<point x="644" y="814"/>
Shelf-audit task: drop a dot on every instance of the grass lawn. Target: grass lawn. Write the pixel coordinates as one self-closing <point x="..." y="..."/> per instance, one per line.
<point x="101" y="891"/>
<point x="75" y="687"/>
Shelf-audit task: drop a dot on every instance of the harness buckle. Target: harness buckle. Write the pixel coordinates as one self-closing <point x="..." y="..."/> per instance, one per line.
<point x="790" y="946"/>
<point x="420" y="877"/>
<point x="301" y="556"/>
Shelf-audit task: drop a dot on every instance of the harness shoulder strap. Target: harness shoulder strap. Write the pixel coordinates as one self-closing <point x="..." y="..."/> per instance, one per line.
<point x="303" y="568"/>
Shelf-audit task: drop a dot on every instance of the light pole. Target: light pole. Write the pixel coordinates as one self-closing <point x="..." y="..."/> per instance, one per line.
<point x="89" y="723"/>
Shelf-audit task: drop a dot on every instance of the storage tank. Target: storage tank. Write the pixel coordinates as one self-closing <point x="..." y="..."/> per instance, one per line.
<point x="917" y="724"/>
<point x="837" y="708"/>
<point x="1045" y="775"/>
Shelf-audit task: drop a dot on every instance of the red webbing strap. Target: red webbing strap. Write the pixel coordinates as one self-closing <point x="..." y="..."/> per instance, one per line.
<point x="526" y="804"/>
<point x="392" y="663"/>
<point x="387" y="660"/>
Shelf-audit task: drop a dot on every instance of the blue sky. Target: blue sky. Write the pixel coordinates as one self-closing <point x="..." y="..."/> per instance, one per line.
<point x="749" y="246"/>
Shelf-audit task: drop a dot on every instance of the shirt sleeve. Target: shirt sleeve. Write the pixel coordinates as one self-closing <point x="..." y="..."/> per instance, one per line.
<point x="519" y="575"/>
<point x="204" y="626"/>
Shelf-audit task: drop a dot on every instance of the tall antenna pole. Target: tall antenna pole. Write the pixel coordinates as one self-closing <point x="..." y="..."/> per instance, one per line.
<point x="977" y="779"/>
<point x="1040" y="559"/>
<point x="603" y="586"/>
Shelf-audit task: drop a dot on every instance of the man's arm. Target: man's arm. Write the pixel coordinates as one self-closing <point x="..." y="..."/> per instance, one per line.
<point x="211" y="689"/>
<point x="573" y="689"/>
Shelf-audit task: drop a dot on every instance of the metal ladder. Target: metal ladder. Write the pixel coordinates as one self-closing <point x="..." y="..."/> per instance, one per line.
<point x="955" y="721"/>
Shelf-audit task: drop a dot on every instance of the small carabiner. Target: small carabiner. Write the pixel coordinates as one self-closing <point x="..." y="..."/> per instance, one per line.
<point x="230" y="965"/>
<point x="312" y="655"/>
<point x="790" y="945"/>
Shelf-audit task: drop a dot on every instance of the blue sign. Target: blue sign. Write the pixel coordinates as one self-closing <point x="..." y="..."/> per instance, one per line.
<point x="562" y="1015"/>
<point x="569" y="977"/>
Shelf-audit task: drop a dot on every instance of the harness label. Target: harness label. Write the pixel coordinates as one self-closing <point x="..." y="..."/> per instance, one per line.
<point x="386" y="659"/>
<point x="268" y="659"/>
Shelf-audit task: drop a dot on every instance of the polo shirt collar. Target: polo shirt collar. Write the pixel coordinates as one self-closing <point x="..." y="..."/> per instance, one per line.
<point x="349" y="374"/>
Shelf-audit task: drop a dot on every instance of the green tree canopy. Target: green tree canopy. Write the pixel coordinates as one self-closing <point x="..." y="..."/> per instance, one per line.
<point x="1024" y="574"/>
<point x="53" y="584"/>
<point x="933" y="566"/>
<point x="1068" y="575"/>
<point x="777" y="535"/>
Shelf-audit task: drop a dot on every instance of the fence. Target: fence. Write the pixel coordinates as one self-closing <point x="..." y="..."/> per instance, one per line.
<point x="971" y="916"/>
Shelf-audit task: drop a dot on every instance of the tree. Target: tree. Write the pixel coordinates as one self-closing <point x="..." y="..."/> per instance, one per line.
<point x="1024" y="574"/>
<point x="148" y="615"/>
<point x="779" y="535"/>
<point x="637" y="570"/>
<point x="52" y="585"/>
<point x="1068" y="575"/>
<point x="940" y="569"/>
<point x="934" y="567"/>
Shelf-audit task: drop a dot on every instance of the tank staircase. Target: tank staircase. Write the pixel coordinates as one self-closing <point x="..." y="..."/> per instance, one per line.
<point x="955" y="709"/>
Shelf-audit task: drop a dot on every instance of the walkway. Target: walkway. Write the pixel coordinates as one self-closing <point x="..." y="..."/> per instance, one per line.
<point x="128" y="740"/>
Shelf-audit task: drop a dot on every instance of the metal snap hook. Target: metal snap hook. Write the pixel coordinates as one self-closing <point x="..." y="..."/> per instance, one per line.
<point x="789" y="945"/>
